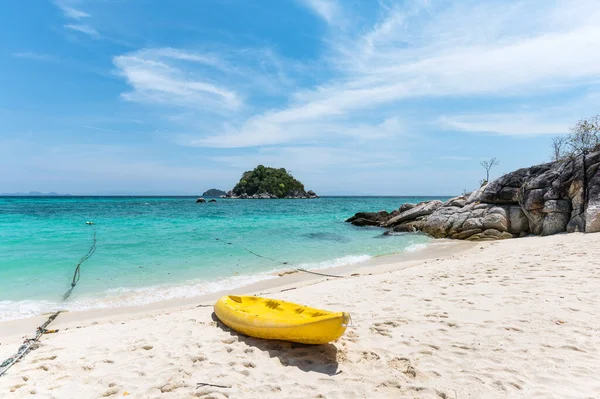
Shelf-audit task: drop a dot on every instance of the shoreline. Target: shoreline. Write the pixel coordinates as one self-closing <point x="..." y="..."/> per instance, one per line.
<point x="285" y="278"/>
<point x="511" y="318"/>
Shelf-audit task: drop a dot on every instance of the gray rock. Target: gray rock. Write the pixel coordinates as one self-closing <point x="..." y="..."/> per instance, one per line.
<point x="408" y="227"/>
<point x="499" y="210"/>
<point x="364" y="222"/>
<point x="369" y="218"/>
<point x="517" y="220"/>
<point x="555" y="222"/>
<point x="592" y="210"/>
<point x="495" y="221"/>
<point x="457" y="201"/>
<point x="474" y="237"/>
<point x="200" y="200"/>
<point x="551" y="206"/>
<point x="467" y="233"/>
<point x="406" y="207"/>
<point x="491" y="233"/>
<point x="426" y="208"/>
<point x="473" y="223"/>
<point x="476" y="195"/>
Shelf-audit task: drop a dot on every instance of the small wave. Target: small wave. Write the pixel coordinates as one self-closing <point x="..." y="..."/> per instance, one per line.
<point x="12" y="310"/>
<point x="126" y="296"/>
<point x="343" y="261"/>
<point x="415" y="247"/>
<point x="123" y="296"/>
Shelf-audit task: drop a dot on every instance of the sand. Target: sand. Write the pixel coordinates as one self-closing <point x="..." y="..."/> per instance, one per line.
<point x="505" y="319"/>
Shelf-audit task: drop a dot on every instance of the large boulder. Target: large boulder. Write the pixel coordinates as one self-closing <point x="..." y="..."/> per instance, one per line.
<point x="592" y="210"/>
<point x="422" y="209"/>
<point x="517" y="220"/>
<point x="369" y="218"/>
<point x="406" y="206"/>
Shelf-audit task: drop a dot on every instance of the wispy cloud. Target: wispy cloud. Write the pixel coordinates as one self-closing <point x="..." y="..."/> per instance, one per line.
<point x="207" y="81"/>
<point x="329" y="10"/>
<point x="87" y="29"/>
<point x="30" y="55"/>
<point x="411" y="53"/>
<point x="512" y="124"/>
<point x="390" y="63"/>
<point x="72" y="13"/>
<point x="156" y="77"/>
<point x="76" y="15"/>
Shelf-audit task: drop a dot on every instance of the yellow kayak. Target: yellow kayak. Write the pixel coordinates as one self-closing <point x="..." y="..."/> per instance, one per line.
<point x="285" y="321"/>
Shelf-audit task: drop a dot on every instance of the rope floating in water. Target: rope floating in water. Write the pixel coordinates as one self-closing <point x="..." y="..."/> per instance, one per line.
<point x="26" y="347"/>
<point x="277" y="261"/>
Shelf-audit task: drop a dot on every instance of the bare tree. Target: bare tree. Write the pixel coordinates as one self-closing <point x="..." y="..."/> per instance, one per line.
<point x="585" y="136"/>
<point x="559" y="144"/>
<point x="487" y="165"/>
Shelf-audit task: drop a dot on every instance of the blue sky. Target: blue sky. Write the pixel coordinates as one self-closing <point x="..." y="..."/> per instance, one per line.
<point x="353" y="96"/>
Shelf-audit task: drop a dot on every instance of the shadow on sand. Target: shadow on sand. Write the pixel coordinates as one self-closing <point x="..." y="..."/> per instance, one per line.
<point x="318" y="358"/>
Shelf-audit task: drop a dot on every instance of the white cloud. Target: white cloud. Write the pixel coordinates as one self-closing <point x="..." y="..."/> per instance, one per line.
<point x="402" y="58"/>
<point x="72" y="13"/>
<point x="76" y="15"/>
<point x="466" y="50"/>
<point x="279" y="129"/>
<point x="513" y="124"/>
<point x="82" y="28"/>
<point x="329" y="10"/>
<point x="156" y="78"/>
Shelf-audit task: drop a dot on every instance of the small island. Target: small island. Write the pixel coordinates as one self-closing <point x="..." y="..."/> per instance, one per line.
<point x="214" y="192"/>
<point x="269" y="183"/>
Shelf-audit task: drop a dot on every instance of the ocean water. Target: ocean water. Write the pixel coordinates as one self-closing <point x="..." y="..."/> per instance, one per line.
<point x="155" y="248"/>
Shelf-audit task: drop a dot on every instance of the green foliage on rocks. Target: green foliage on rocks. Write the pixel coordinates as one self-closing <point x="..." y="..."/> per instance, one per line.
<point x="213" y="192"/>
<point x="265" y="180"/>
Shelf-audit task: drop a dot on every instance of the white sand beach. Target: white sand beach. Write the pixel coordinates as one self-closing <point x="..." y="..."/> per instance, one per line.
<point x="504" y="319"/>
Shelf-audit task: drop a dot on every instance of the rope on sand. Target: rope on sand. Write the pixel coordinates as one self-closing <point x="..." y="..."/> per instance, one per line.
<point x="277" y="261"/>
<point x="27" y="345"/>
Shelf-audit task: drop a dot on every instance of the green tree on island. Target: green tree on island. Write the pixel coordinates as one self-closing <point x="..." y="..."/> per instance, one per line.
<point x="267" y="180"/>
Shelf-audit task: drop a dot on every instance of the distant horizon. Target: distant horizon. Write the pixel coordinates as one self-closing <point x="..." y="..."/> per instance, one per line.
<point x="55" y="195"/>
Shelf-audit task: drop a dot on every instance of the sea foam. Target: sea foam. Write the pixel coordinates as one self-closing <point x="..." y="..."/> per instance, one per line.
<point x="127" y="296"/>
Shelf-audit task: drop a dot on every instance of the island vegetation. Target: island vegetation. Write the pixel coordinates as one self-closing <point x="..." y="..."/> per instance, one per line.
<point x="266" y="182"/>
<point x="214" y="192"/>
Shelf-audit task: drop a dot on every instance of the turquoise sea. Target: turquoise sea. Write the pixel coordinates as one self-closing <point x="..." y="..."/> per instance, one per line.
<point x="155" y="248"/>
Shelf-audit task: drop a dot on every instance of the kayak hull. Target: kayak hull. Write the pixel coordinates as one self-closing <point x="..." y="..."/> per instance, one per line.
<point x="286" y="321"/>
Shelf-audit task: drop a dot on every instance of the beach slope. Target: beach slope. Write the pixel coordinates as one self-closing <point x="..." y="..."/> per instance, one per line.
<point x="505" y="319"/>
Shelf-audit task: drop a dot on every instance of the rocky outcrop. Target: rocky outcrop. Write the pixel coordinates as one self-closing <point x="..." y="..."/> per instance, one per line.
<point x="369" y="218"/>
<point x="546" y="199"/>
<point x="421" y="209"/>
<point x="200" y="200"/>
